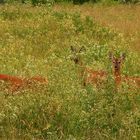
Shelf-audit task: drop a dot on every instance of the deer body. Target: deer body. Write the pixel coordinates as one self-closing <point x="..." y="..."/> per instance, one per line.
<point x="16" y="83"/>
<point x="132" y="80"/>
<point x="12" y="79"/>
<point x="94" y="77"/>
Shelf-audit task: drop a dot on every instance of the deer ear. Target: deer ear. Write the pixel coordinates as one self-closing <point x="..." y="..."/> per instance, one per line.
<point x="111" y="56"/>
<point x="72" y="49"/>
<point x="82" y="49"/>
<point x="123" y="55"/>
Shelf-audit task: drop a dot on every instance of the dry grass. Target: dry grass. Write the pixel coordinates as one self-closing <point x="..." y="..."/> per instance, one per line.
<point x="124" y="18"/>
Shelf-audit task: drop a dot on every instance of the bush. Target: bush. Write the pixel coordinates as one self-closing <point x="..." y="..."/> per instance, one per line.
<point x="39" y="2"/>
<point x="80" y="1"/>
<point x="129" y="1"/>
<point x="1" y="1"/>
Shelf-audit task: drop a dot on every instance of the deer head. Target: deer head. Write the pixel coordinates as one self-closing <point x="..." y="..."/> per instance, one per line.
<point x="76" y="54"/>
<point x="117" y="62"/>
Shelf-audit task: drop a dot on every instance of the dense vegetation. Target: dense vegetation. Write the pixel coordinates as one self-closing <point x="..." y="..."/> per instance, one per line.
<point x="36" y="41"/>
<point x="51" y="2"/>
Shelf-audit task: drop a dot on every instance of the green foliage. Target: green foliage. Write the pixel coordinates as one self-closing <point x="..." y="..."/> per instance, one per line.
<point x="36" y="41"/>
<point x="51" y="2"/>
<point x="129" y="1"/>
<point x="79" y="1"/>
<point x="38" y="2"/>
<point x="1" y="1"/>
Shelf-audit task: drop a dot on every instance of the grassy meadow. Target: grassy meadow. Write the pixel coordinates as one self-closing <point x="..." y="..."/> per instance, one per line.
<point x="36" y="41"/>
<point x="123" y="18"/>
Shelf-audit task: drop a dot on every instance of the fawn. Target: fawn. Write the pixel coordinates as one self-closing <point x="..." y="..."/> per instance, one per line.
<point x="89" y="76"/>
<point x="16" y="83"/>
<point x="117" y="64"/>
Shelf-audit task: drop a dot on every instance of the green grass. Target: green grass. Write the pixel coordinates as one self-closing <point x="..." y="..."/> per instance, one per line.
<point x="36" y="41"/>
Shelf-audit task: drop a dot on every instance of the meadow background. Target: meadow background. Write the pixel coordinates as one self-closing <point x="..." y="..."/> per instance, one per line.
<point x="35" y="39"/>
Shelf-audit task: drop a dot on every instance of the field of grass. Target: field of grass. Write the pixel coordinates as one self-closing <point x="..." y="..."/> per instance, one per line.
<point x="124" y="18"/>
<point x="36" y="41"/>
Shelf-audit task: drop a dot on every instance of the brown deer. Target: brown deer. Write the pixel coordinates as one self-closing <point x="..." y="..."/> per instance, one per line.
<point x="117" y="65"/>
<point x="89" y="76"/>
<point x="16" y="83"/>
<point x="96" y="77"/>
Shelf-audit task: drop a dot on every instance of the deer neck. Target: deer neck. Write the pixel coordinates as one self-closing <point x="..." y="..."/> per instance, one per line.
<point x="81" y="71"/>
<point x="117" y="76"/>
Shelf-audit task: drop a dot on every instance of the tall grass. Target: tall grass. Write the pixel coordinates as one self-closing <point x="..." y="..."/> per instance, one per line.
<point x="36" y="41"/>
<point x="124" y="18"/>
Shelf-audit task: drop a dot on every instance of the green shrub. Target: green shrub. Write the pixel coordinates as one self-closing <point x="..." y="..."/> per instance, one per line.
<point x="38" y="2"/>
<point x="129" y="1"/>
<point x="1" y="1"/>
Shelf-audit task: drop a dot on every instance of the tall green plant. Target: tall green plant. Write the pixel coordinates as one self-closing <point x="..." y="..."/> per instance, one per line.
<point x="1" y="1"/>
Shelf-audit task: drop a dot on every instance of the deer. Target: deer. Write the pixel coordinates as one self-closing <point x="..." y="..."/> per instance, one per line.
<point x="16" y="83"/>
<point x="88" y="75"/>
<point x="117" y="66"/>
